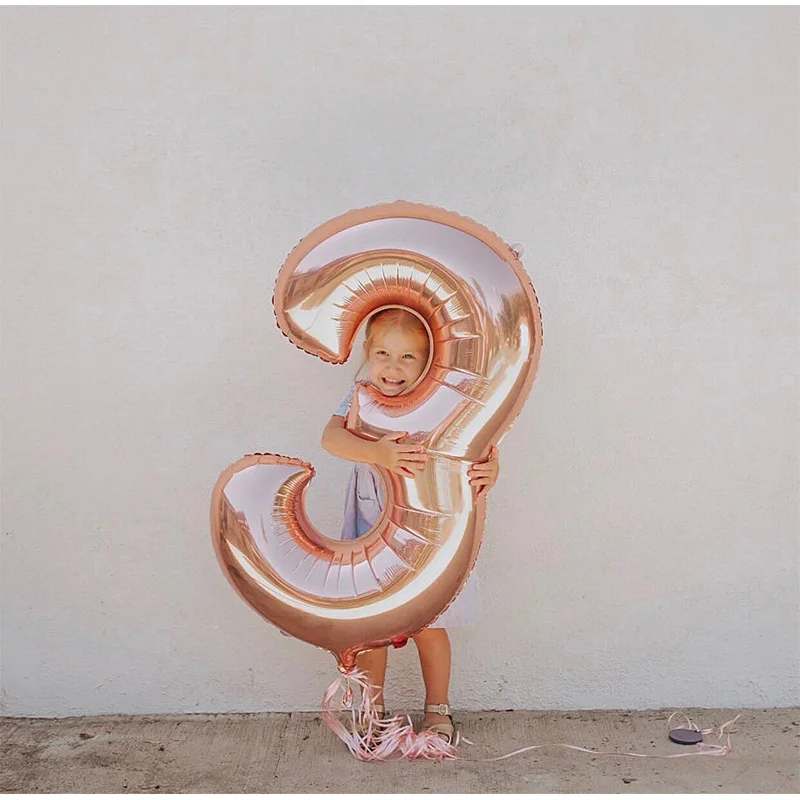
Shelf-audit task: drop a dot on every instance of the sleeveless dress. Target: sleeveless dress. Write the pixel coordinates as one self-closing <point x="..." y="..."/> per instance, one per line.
<point x="364" y="499"/>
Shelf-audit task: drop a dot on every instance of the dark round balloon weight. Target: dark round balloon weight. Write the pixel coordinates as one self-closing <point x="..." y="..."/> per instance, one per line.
<point x="685" y="736"/>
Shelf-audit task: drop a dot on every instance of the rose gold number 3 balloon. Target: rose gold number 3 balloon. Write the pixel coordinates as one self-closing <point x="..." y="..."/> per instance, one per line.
<point x="483" y="319"/>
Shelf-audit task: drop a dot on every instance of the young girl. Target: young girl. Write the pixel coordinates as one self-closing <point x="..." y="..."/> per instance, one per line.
<point x="396" y="353"/>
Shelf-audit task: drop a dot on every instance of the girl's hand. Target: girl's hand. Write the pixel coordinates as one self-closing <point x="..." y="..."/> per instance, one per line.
<point x="483" y="474"/>
<point x="402" y="459"/>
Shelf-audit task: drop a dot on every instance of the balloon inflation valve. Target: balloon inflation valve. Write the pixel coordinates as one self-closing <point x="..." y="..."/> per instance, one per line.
<point x="347" y="697"/>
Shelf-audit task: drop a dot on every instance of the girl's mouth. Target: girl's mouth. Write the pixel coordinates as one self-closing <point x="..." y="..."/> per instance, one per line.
<point x="392" y="383"/>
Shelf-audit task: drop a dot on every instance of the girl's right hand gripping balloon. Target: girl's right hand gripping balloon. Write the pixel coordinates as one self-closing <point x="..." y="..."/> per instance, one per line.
<point x="398" y="457"/>
<point x="486" y="335"/>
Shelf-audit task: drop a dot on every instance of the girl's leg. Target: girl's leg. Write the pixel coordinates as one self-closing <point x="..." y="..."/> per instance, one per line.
<point x="434" y="658"/>
<point x="373" y="662"/>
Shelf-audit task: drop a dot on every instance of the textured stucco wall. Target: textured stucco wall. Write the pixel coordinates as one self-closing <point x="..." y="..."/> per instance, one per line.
<point x="159" y="164"/>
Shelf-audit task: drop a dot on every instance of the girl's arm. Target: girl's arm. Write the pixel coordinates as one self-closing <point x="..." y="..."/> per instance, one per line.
<point x="403" y="459"/>
<point x="340" y="442"/>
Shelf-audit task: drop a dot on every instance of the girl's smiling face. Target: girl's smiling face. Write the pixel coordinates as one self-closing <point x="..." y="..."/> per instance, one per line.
<point x="395" y="359"/>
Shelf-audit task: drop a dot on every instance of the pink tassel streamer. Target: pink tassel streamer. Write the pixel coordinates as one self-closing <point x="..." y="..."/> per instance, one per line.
<point x="381" y="738"/>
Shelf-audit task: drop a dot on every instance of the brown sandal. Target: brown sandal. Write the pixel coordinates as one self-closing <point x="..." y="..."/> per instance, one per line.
<point x="445" y="730"/>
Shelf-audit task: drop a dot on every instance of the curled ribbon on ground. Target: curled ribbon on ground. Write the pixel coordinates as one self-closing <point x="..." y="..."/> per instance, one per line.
<point x="370" y="738"/>
<point x="485" y="331"/>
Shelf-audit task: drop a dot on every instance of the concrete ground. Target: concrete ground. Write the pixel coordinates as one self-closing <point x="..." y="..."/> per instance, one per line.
<point x="269" y="753"/>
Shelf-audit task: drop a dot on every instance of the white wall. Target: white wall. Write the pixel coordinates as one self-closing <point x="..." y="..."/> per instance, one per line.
<point x="160" y="163"/>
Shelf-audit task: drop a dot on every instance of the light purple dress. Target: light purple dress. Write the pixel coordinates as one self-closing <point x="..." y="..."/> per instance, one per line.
<point x="364" y="499"/>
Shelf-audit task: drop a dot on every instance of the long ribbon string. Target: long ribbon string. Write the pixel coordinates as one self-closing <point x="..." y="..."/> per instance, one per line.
<point x="371" y="738"/>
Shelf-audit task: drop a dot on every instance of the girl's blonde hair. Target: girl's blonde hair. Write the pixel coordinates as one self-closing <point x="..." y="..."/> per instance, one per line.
<point x="390" y="318"/>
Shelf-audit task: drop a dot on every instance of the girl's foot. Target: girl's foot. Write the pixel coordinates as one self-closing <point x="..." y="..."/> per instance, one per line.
<point x="439" y="720"/>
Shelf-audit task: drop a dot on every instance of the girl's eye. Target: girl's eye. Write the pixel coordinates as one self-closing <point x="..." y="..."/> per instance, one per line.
<point x="408" y="355"/>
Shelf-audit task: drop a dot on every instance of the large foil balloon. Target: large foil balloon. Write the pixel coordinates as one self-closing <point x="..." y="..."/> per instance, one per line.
<point x="480" y="309"/>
